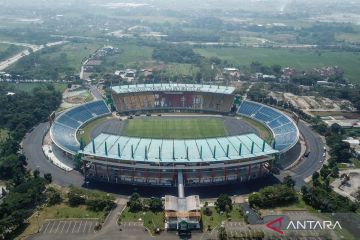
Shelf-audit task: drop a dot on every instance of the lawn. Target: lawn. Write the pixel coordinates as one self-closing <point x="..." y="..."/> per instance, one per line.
<point x="264" y="132"/>
<point x="356" y="162"/>
<point x="3" y="134"/>
<point x="175" y="128"/>
<point x="151" y="220"/>
<point x="215" y="219"/>
<point x="304" y="59"/>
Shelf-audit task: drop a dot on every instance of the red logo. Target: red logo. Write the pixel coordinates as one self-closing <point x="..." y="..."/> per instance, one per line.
<point x="275" y="225"/>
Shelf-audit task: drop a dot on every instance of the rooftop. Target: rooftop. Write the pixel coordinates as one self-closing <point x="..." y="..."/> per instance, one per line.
<point x="173" y="87"/>
<point x="178" y="151"/>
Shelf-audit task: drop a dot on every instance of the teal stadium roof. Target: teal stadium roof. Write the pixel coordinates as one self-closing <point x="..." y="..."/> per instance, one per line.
<point x="178" y="151"/>
<point x="173" y="87"/>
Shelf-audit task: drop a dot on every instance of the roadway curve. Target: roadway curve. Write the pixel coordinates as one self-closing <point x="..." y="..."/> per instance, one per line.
<point x="306" y="167"/>
<point x="32" y="148"/>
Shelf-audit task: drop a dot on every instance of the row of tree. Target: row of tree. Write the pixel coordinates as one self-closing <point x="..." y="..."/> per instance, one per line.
<point x="94" y="201"/>
<point x="25" y="191"/>
<point x="275" y="196"/>
<point x="136" y="204"/>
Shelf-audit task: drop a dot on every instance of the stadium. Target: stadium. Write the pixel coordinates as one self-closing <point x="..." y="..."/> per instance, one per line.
<point x="142" y="153"/>
<point x="175" y="135"/>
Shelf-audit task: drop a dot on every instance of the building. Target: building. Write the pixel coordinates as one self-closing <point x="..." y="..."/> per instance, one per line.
<point x="182" y="213"/>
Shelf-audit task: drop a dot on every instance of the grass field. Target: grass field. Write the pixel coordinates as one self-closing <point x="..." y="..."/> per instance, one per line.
<point x="175" y="128"/>
<point x="134" y="54"/>
<point x="151" y="220"/>
<point x="3" y="134"/>
<point x="180" y="69"/>
<point x="304" y="59"/>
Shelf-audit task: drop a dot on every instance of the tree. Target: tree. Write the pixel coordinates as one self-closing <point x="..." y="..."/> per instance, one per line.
<point x="36" y="173"/>
<point x="135" y="204"/>
<point x="255" y="199"/>
<point x="325" y="171"/>
<point x="48" y="177"/>
<point x="315" y="178"/>
<point x="223" y="203"/>
<point x="156" y="205"/>
<point x="289" y="181"/>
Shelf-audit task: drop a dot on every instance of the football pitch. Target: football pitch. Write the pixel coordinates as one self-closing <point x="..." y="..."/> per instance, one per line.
<point x="175" y="128"/>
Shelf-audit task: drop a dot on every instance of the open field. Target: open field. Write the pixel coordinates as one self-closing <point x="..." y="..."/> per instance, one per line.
<point x="180" y="69"/>
<point x="349" y="115"/>
<point x="151" y="220"/>
<point x="175" y="128"/>
<point x="299" y="58"/>
<point x="28" y="87"/>
<point x="132" y="54"/>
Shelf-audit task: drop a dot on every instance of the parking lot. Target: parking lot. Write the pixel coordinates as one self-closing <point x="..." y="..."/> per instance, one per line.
<point x="68" y="227"/>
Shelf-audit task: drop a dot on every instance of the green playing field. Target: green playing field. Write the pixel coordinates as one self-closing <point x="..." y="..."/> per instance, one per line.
<point x="184" y="128"/>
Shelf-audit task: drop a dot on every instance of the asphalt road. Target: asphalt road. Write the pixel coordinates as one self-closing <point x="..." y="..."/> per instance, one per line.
<point x="95" y="92"/>
<point x="314" y="161"/>
<point x="32" y="148"/>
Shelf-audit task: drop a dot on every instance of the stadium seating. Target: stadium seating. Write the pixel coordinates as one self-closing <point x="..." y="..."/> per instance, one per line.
<point x="64" y="129"/>
<point x="147" y="101"/>
<point x="285" y="131"/>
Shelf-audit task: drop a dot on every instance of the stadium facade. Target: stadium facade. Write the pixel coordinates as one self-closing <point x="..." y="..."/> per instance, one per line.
<point x="145" y="161"/>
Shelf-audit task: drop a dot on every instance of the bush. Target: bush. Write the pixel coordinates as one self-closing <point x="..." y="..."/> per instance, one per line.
<point x="273" y="196"/>
<point x="98" y="205"/>
<point x="75" y="199"/>
<point x="53" y="196"/>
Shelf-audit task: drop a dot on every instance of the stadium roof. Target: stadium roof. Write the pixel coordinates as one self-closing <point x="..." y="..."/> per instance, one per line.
<point x="178" y="151"/>
<point x="173" y="87"/>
